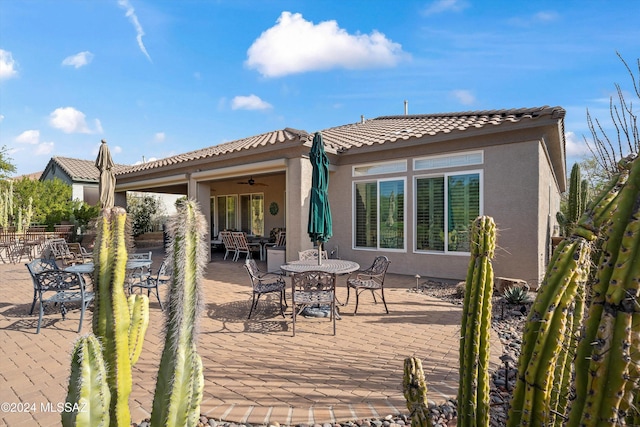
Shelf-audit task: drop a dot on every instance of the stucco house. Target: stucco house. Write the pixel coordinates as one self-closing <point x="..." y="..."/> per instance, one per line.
<point x="82" y="175"/>
<point x="403" y="186"/>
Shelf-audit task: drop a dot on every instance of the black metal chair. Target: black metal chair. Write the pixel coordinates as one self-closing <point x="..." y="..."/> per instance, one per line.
<point x="64" y="287"/>
<point x="313" y="288"/>
<point x="371" y="279"/>
<point x="151" y="283"/>
<point x="36" y="266"/>
<point x="264" y="283"/>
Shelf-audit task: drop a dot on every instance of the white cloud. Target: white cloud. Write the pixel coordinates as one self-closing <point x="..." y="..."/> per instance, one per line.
<point x="44" y="148"/>
<point x="251" y="102"/>
<point x="295" y="45"/>
<point x="79" y="59"/>
<point x="131" y="14"/>
<point x="7" y="65"/>
<point x="542" y="17"/>
<point x="69" y="120"/>
<point x="1" y="118"/>
<point x="29" y="137"/>
<point x="575" y="147"/>
<point x="465" y="97"/>
<point x="116" y="149"/>
<point x="440" y="6"/>
<point x="159" y="137"/>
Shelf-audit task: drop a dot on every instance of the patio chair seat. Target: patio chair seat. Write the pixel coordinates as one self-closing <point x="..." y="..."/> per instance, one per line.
<point x="311" y="288"/>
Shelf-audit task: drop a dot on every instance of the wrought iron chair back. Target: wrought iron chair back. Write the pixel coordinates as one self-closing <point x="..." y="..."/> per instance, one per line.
<point x="64" y="287"/>
<point x="311" y="254"/>
<point x="152" y="282"/>
<point x="36" y="266"/>
<point x="313" y="288"/>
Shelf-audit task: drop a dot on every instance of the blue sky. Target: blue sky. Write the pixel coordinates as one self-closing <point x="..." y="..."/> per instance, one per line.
<point x="157" y="78"/>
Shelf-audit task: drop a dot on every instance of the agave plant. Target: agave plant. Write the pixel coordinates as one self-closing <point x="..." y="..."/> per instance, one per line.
<point x="516" y="295"/>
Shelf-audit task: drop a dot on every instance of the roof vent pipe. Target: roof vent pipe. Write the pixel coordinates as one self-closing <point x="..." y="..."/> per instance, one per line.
<point x="361" y="118"/>
<point x="406" y="107"/>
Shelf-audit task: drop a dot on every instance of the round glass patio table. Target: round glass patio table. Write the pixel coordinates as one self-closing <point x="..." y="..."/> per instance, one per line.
<point x="336" y="266"/>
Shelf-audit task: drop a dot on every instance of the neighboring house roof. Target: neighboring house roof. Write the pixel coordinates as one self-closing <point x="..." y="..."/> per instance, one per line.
<point x="79" y="170"/>
<point x="369" y="132"/>
<point x="35" y="176"/>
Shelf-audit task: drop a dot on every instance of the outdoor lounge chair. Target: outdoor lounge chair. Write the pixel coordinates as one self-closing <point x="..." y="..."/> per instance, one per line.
<point x="62" y="287"/>
<point x="371" y="279"/>
<point x="243" y="246"/>
<point x="229" y="244"/>
<point x="264" y="283"/>
<point x="313" y="288"/>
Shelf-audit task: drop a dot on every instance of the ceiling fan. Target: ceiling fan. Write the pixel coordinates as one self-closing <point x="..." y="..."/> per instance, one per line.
<point x="252" y="181"/>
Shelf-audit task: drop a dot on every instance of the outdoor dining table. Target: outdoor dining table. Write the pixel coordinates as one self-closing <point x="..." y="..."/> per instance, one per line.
<point x="88" y="267"/>
<point x="336" y="266"/>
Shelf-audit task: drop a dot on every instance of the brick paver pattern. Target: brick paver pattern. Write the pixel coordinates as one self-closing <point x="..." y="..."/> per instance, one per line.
<point x="254" y="370"/>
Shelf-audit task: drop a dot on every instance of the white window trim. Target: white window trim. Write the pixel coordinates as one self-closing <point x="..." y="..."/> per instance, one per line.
<point x="445" y="175"/>
<point x="353" y="216"/>
<point x="402" y="164"/>
<point x="452" y="154"/>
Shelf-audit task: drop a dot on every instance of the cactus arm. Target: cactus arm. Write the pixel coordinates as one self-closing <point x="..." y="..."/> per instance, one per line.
<point x="627" y="201"/>
<point x="414" y="388"/>
<point x="473" y="391"/>
<point x="197" y="388"/>
<point x="139" y="312"/>
<point x="111" y="318"/>
<point x="180" y="372"/>
<point x="88" y="390"/>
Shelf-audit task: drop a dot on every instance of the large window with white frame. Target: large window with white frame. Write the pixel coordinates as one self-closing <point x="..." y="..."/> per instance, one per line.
<point x="445" y="206"/>
<point x="379" y="214"/>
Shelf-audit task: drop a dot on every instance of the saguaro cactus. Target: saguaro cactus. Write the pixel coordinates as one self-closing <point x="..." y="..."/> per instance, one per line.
<point x="88" y="388"/>
<point x="119" y="324"/>
<point x="605" y="356"/>
<point x="415" y="392"/>
<point x="180" y="381"/>
<point x="473" y="392"/>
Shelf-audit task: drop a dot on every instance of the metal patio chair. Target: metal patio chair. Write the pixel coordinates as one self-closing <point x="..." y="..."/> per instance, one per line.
<point x="371" y="279"/>
<point x="264" y="283"/>
<point x="313" y="288"/>
<point x="62" y="287"/>
<point x="152" y="282"/>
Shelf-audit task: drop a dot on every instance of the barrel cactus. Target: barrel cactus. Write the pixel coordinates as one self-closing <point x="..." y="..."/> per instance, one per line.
<point x="606" y="360"/>
<point x="180" y="380"/>
<point x="473" y="392"/>
<point x="415" y="392"/>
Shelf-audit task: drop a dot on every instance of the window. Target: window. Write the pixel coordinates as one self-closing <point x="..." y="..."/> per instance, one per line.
<point x="380" y="168"/>
<point x="445" y="207"/>
<point x="379" y="214"/>
<point x="227" y="212"/>
<point x="248" y="216"/>
<point x="449" y="160"/>
<point x="252" y="213"/>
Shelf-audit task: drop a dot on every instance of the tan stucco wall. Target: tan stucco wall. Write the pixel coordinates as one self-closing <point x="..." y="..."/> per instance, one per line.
<point x="515" y="177"/>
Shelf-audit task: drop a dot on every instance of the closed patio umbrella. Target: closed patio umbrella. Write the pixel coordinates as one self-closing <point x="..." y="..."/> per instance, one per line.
<point x="320" y="224"/>
<point x="107" y="181"/>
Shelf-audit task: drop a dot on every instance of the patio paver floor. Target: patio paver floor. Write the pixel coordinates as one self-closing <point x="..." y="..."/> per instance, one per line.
<point x="255" y="371"/>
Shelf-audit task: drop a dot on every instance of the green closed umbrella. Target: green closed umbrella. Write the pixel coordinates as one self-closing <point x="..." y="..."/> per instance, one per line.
<point x="107" y="181"/>
<point x="320" y="224"/>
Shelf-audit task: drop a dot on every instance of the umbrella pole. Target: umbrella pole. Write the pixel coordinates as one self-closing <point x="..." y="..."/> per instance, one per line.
<point x="319" y="253"/>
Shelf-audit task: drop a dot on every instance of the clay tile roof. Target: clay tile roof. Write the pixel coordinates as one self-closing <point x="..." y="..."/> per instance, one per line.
<point x="82" y="170"/>
<point x="265" y="139"/>
<point x="396" y="128"/>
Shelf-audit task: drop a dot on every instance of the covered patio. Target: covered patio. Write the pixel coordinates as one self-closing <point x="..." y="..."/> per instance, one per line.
<point x="255" y="371"/>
